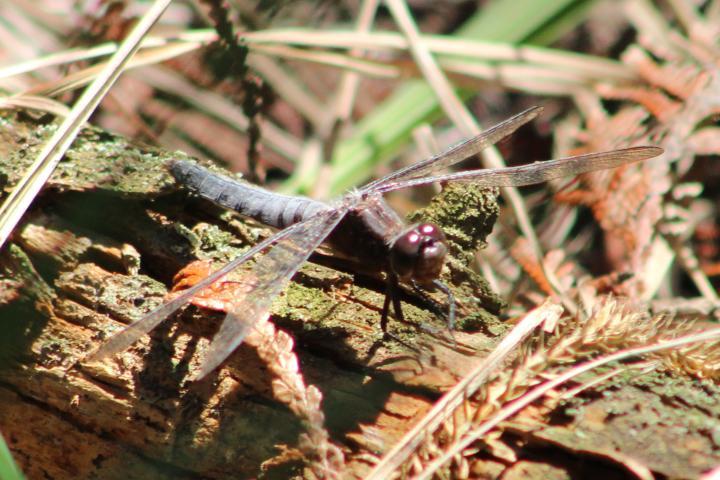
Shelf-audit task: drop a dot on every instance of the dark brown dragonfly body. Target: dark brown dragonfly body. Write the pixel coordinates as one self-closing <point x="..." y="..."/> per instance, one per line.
<point x="360" y="225"/>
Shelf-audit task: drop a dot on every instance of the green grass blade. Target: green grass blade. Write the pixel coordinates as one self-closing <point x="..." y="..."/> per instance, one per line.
<point x="8" y="468"/>
<point x="379" y="136"/>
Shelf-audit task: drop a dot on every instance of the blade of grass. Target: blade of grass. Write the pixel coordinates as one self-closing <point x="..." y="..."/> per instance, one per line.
<point x="22" y="196"/>
<point x="540" y="70"/>
<point x="33" y="102"/>
<point x="80" y="78"/>
<point x="444" y="47"/>
<point x="380" y="134"/>
<point x="571" y="16"/>
<point x="191" y="38"/>
<point x="8" y="469"/>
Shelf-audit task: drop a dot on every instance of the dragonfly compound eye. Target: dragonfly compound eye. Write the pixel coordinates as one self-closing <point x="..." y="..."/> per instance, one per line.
<point x="419" y="253"/>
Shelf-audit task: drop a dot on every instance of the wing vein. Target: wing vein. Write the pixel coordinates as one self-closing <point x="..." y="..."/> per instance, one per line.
<point x="457" y="153"/>
<point x="534" y="172"/>
<point x="268" y="278"/>
<point x="132" y="333"/>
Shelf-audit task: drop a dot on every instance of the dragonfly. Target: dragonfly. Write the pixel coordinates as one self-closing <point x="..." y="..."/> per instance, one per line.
<point x="360" y="225"/>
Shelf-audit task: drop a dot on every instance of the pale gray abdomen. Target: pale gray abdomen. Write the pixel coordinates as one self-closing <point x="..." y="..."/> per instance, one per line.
<point x="273" y="209"/>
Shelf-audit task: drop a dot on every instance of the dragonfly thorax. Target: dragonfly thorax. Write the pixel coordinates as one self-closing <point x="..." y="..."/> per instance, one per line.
<point x="419" y="253"/>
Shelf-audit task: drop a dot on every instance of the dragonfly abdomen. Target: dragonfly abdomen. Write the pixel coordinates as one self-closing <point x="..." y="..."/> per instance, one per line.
<point x="273" y="209"/>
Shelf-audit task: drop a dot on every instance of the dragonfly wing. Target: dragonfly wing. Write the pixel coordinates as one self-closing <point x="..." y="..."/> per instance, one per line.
<point x="534" y="172"/>
<point x="269" y="277"/>
<point x="132" y="333"/>
<point x="459" y="152"/>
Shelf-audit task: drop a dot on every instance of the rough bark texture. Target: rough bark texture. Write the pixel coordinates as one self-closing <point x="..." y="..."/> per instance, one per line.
<point x="97" y="251"/>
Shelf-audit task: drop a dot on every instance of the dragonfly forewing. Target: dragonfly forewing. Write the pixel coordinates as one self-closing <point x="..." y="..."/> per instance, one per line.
<point x="132" y="333"/>
<point x="459" y="152"/>
<point x="534" y="172"/>
<point x="268" y="278"/>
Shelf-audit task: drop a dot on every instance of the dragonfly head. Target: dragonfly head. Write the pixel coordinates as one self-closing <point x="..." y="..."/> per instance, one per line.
<point x="419" y="253"/>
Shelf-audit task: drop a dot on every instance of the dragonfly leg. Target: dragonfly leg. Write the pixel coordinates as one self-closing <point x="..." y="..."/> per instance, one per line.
<point x="391" y="295"/>
<point x="386" y="308"/>
<point x="397" y="306"/>
<point x="450" y="301"/>
<point x="450" y="315"/>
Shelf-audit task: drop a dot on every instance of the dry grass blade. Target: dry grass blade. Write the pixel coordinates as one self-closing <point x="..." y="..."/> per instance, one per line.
<point x="176" y="43"/>
<point x="529" y="69"/>
<point x="531" y="78"/>
<point x="689" y="261"/>
<point x="444" y="408"/>
<point x="60" y="58"/>
<point x="22" y="196"/>
<point x="541" y="70"/>
<point x="475" y="50"/>
<point x="34" y="102"/>
<point x="349" y="83"/>
<point x="366" y="67"/>
<point x="82" y="77"/>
